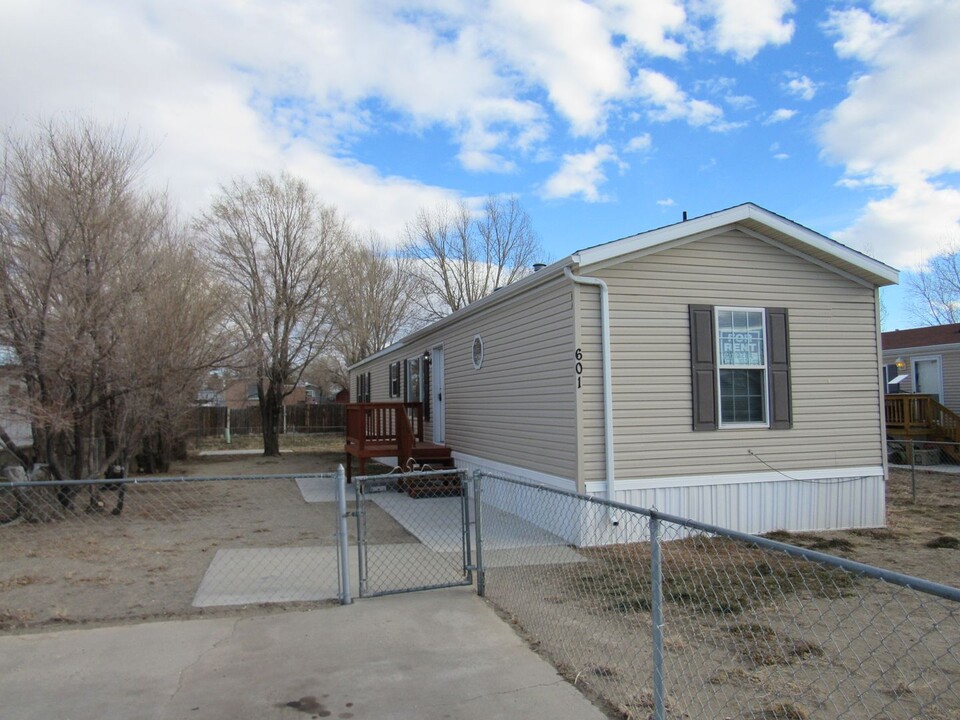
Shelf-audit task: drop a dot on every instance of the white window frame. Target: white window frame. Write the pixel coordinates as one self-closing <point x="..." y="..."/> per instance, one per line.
<point x="721" y="367"/>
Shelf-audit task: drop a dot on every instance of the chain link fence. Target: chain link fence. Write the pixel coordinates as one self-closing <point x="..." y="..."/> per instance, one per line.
<point x="83" y="551"/>
<point x="661" y="617"/>
<point x="928" y="464"/>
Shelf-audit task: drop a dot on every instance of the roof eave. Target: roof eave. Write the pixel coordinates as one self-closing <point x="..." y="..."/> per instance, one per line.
<point x="847" y="259"/>
<point x="525" y="284"/>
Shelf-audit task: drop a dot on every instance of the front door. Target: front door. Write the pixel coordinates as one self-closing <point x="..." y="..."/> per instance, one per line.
<point x="927" y="377"/>
<point x="436" y="387"/>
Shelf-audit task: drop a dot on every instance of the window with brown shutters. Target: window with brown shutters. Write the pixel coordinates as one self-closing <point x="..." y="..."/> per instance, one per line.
<point x="778" y="369"/>
<point x="740" y="367"/>
<point x="703" y="368"/>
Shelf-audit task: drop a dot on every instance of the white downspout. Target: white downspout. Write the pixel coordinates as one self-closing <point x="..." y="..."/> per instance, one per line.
<point x="607" y="378"/>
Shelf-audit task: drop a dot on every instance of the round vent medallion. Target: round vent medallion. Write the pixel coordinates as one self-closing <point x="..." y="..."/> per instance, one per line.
<point x="477" y="352"/>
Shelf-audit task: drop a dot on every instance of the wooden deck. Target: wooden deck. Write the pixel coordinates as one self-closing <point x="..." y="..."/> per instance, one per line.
<point x="390" y="430"/>
<point x="921" y="417"/>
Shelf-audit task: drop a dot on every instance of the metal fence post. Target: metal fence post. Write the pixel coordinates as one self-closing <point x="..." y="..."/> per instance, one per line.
<point x="478" y="518"/>
<point x="913" y="471"/>
<point x="361" y="535"/>
<point x="656" y="613"/>
<point x="343" y="539"/>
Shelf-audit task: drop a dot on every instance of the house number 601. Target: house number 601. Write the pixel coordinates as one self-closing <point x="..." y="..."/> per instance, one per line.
<point x="579" y="355"/>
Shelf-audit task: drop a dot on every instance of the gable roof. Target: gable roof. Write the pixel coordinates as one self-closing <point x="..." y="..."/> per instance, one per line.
<point x="753" y="218"/>
<point x="922" y="337"/>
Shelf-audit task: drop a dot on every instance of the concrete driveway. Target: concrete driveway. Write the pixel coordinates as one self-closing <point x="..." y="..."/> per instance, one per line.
<point x="424" y="656"/>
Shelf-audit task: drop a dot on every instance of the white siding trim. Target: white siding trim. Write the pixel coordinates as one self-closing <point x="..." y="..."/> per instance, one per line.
<point x="598" y="487"/>
<point x="515" y="471"/>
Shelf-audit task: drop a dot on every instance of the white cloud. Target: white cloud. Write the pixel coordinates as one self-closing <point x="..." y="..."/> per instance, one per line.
<point x="648" y="24"/>
<point x="740" y="102"/>
<point x="779" y="115"/>
<point x="861" y="34"/>
<point x="581" y="174"/>
<point x="639" y="144"/>
<point x="895" y="133"/>
<point x="666" y="202"/>
<point x="669" y="102"/>
<point x="801" y="86"/>
<point x="744" y="27"/>
<point x="908" y="226"/>
<point x="781" y="156"/>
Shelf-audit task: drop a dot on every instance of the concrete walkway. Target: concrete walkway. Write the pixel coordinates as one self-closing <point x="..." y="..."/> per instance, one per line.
<point x="425" y="656"/>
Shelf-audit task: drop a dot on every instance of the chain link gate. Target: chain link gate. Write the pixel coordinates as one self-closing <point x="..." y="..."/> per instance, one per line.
<point x="413" y="532"/>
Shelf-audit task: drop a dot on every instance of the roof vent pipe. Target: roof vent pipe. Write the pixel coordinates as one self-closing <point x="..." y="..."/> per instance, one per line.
<point x="537" y="267"/>
<point x="607" y="382"/>
<point x="684" y="216"/>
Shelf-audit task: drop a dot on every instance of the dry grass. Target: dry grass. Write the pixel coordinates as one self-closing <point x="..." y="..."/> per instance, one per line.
<point x="714" y="575"/>
<point x="314" y="442"/>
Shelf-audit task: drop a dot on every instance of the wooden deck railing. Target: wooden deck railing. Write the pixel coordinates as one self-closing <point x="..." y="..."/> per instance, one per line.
<point x="384" y="423"/>
<point x="921" y="414"/>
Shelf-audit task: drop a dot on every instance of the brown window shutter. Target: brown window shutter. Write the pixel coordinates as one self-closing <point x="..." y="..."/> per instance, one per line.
<point x="703" y="367"/>
<point x="405" y="385"/>
<point x="778" y="369"/>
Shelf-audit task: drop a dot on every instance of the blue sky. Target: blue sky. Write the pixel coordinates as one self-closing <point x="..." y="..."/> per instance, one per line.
<point x="606" y="118"/>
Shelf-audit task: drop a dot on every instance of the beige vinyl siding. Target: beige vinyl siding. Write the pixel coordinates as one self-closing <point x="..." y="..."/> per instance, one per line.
<point x="519" y="407"/>
<point x="833" y="353"/>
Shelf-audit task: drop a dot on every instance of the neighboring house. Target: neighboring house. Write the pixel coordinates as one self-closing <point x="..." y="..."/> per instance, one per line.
<point x="242" y="393"/>
<point x="921" y="376"/>
<point x="14" y="417"/>
<point x="924" y="360"/>
<point x="742" y="384"/>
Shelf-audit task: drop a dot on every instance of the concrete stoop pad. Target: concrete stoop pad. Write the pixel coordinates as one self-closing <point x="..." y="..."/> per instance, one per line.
<point x="247" y="576"/>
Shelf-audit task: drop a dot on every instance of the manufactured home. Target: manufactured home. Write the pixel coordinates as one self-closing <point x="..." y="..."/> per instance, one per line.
<point x="725" y="368"/>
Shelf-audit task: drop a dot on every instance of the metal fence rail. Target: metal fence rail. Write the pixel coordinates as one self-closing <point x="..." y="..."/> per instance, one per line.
<point x="79" y="551"/>
<point x="664" y="617"/>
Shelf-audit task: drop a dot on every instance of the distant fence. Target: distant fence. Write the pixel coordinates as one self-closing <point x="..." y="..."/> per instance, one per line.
<point x="323" y="417"/>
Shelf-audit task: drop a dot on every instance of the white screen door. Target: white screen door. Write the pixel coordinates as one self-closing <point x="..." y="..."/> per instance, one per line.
<point x="926" y="372"/>
<point x="439" y="402"/>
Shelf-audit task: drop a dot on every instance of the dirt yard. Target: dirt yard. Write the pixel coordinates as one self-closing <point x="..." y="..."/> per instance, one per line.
<point x="148" y="561"/>
<point x="755" y="635"/>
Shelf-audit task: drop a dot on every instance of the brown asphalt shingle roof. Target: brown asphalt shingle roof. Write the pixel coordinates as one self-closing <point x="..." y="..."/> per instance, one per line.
<point x="922" y="337"/>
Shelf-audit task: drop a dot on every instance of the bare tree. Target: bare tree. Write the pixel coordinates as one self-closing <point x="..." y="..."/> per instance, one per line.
<point x="459" y="258"/>
<point x="375" y="303"/>
<point x="85" y="256"/>
<point x="935" y="288"/>
<point x="278" y="250"/>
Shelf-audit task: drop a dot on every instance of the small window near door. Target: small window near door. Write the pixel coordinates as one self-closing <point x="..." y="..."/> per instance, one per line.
<point x="892" y="378"/>
<point x="414" y="377"/>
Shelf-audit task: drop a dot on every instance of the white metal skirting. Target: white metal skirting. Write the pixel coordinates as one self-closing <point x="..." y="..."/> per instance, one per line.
<point x="755" y="503"/>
